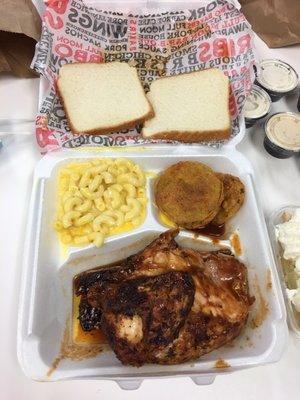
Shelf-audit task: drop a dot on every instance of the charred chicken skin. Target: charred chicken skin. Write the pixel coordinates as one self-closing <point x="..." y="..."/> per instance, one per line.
<point x="166" y="304"/>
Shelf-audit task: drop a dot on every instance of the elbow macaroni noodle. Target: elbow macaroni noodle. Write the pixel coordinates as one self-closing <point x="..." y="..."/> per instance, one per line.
<point x="99" y="198"/>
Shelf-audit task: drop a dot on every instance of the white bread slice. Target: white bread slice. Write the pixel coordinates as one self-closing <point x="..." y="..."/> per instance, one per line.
<point x="191" y="107"/>
<point x="101" y="98"/>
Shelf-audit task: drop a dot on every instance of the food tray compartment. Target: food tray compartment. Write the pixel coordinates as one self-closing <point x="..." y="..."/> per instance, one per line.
<point x="46" y="293"/>
<point x="275" y="219"/>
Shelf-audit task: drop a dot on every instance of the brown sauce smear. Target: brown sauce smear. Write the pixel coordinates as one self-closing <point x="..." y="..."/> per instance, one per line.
<point x="249" y="343"/>
<point x="236" y="244"/>
<point x="269" y="280"/>
<point x="210" y="230"/>
<point x="263" y="306"/>
<point x="222" y="364"/>
<point x="74" y="352"/>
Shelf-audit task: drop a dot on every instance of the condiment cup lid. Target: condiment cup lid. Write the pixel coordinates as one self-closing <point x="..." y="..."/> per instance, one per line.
<point x="277" y="76"/>
<point x="258" y="103"/>
<point x="283" y="129"/>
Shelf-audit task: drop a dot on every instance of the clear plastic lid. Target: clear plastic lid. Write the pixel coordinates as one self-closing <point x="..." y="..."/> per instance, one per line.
<point x="283" y="129"/>
<point x="277" y="75"/>
<point x="257" y="103"/>
<point x="285" y="267"/>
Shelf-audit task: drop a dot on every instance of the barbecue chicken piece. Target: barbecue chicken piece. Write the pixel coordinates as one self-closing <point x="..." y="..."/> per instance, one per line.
<point x="166" y="304"/>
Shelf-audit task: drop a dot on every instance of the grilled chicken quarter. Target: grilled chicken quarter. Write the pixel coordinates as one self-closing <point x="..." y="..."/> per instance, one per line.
<point x="166" y="304"/>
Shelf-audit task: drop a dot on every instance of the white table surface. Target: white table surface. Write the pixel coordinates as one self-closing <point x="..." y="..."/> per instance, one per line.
<point x="278" y="183"/>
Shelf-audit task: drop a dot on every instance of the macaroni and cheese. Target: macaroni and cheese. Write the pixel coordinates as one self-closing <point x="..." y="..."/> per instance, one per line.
<point x="99" y="198"/>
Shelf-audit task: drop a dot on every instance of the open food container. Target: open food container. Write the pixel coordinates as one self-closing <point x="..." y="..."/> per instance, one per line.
<point x="46" y="297"/>
<point x="46" y="293"/>
<point x="285" y="268"/>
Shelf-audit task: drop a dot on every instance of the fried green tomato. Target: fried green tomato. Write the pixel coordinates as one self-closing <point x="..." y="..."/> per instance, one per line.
<point x="234" y="196"/>
<point x="189" y="193"/>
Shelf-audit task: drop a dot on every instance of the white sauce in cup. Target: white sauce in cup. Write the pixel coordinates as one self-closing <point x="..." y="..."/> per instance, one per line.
<point x="277" y="76"/>
<point x="283" y="129"/>
<point x="257" y="103"/>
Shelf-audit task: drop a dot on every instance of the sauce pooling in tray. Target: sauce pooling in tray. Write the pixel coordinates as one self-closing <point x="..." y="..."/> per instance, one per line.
<point x="211" y="230"/>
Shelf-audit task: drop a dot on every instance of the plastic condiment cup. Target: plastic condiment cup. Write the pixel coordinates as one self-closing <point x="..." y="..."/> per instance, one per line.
<point x="282" y="132"/>
<point x="257" y="106"/>
<point x="277" y="78"/>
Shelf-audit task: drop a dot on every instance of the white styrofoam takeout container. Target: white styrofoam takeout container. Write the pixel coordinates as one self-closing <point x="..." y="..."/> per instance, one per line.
<point x="46" y="291"/>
